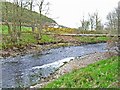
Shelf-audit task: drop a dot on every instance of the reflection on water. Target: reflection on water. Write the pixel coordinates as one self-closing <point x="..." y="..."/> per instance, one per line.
<point x="23" y="71"/>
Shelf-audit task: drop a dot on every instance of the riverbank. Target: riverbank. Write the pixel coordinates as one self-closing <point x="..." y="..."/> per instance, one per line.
<point x="49" y="42"/>
<point x="30" y="49"/>
<point x="76" y="64"/>
<point x="32" y="68"/>
<point x="38" y="48"/>
<point x="102" y="74"/>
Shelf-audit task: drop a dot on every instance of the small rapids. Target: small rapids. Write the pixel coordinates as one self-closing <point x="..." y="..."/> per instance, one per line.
<point x="24" y="71"/>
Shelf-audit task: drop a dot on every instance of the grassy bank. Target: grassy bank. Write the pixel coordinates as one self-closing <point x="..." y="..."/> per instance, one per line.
<point x="28" y="37"/>
<point x="92" y="39"/>
<point x="4" y="29"/>
<point x="102" y="74"/>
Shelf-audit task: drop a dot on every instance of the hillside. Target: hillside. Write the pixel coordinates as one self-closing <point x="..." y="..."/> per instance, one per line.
<point x="12" y="12"/>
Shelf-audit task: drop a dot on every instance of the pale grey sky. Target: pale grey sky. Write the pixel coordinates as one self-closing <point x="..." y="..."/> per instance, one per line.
<point x="70" y="12"/>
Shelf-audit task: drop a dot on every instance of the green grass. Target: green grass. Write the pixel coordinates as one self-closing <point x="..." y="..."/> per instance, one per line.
<point x="102" y="38"/>
<point x="47" y="38"/>
<point x="4" y="29"/>
<point x="92" y="39"/>
<point x="98" y="75"/>
<point x="26" y="39"/>
<point x="26" y="17"/>
<point x="26" y="29"/>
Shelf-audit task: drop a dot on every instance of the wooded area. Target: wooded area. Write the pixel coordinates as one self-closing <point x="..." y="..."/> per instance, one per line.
<point x="19" y="16"/>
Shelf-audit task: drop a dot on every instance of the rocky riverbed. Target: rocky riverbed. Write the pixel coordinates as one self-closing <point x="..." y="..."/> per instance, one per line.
<point x="78" y="62"/>
<point x="30" y="49"/>
<point x="30" y="69"/>
<point x="38" y="48"/>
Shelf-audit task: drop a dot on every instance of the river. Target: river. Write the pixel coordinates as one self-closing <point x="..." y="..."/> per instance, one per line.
<point x="23" y="71"/>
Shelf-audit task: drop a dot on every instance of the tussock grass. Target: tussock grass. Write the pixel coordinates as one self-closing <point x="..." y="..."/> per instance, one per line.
<point x="102" y="74"/>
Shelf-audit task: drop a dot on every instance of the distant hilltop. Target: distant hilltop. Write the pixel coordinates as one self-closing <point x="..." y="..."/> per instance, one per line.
<point x="26" y="16"/>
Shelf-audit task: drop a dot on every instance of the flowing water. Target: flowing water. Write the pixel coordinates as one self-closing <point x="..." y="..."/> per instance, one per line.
<point x="23" y="71"/>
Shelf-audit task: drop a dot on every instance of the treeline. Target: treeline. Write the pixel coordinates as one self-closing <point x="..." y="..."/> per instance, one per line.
<point x="20" y="13"/>
<point x="12" y="10"/>
<point x="94" y="21"/>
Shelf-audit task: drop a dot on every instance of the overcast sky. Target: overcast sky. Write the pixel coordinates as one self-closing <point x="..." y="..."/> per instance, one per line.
<point x="70" y="12"/>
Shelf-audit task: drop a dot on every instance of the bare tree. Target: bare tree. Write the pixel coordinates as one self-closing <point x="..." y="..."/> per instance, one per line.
<point x="6" y="18"/>
<point x="15" y="21"/>
<point x="19" y="19"/>
<point x="97" y="21"/>
<point x="85" y="24"/>
<point x="112" y="20"/>
<point x="11" y="26"/>
<point x="35" y="21"/>
<point x="82" y="22"/>
<point x="21" y="13"/>
<point x="39" y="3"/>
<point x="31" y="3"/>
<point x="118" y="11"/>
<point x="92" y="21"/>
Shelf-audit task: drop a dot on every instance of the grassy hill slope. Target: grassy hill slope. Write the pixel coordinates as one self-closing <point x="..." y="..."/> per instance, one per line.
<point x="12" y="12"/>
